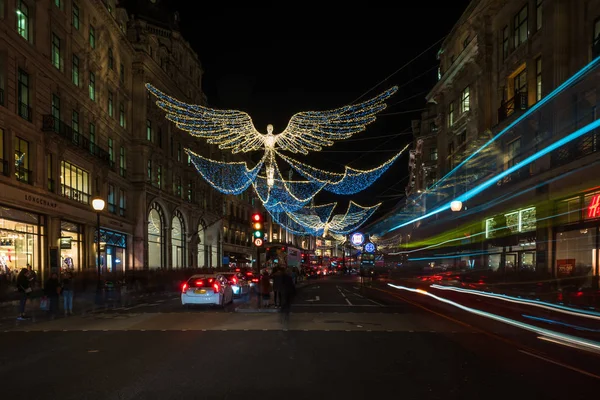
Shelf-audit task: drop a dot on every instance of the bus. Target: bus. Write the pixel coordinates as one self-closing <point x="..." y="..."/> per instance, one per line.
<point x="283" y="255"/>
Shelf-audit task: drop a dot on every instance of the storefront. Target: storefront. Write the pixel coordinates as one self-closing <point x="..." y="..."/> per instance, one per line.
<point x="113" y="248"/>
<point x="577" y="240"/>
<point x="71" y="246"/>
<point x="21" y="241"/>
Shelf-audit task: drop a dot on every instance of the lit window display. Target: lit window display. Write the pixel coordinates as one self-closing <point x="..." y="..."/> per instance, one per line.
<point x="19" y="241"/>
<point x="71" y="239"/>
<point x="113" y="247"/>
<point x="576" y="253"/>
<point x="155" y="237"/>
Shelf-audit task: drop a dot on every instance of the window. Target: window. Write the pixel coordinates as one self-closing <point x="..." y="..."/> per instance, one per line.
<point x="112" y="205"/>
<point x="513" y="153"/>
<point x="3" y="167"/>
<point x="433" y="154"/>
<point x="450" y="148"/>
<point x="189" y="159"/>
<point x="92" y="138"/>
<point x="190" y="191"/>
<point x="111" y="58"/>
<point x="122" y="121"/>
<point x="111" y="152"/>
<point x="159" y="137"/>
<point x="23" y="19"/>
<point x="56" y="58"/>
<point x="92" y="86"/>
<point x="159" y="177"/>
<point x="23" y="96"/>
<point x="75" y="124"/>
<point x="465" y="101"/>
<point x="75" y="16"/>
<point x="520" y="82"/>
<point x="451" y="114"/>
<point x="57" y="3"/>
<point x="49" y="172"/>
<point x="122" y="162"/>
<point x="505" y="41"/>
<point x="538" y="79"/>
<point x="433" y="127"/>
<point x="110" y="104"/>
<point x="75" y="71"/>
<point x="122" y="73"/>
<point x="56" y="110"/>
<point x="149" y="167"/>
<point x="179" y="151"/>
<point x="122" y="202"/>
<point x="178" y="187"/>
<point x="520" y="33"/>
<point x="22" y="171"/>
<point x="461" y="138"/>
<point x="148" y="130"/>
<point x="539" y="14"/>
<point x="92" y="37"/>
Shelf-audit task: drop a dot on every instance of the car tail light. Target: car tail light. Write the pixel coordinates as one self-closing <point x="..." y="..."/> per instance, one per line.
<point x="249" y="273"/>
<point x="216" y="287"/>
<point x="184" y="288"/>
<point x="234" y="280"/>
<point x="254" y="279"/>
<point x="199" y="282"/>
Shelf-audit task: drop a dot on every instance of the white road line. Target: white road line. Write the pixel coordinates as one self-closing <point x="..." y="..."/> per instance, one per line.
<point x="335" y="305"/>
<point x="348" y="301"/>
<point x="373" y="301"/>
<point x="561" y="364"/>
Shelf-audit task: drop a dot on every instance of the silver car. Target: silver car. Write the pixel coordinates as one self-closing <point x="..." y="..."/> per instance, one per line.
<point x="206" y="289"/>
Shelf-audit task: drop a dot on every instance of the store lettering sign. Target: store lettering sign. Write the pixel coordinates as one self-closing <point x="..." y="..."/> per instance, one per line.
<point x="594" y="207"/>
<point x="40" y="201"/>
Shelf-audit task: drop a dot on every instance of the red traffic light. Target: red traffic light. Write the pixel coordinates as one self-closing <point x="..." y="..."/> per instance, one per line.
<point x="256" y="217"/>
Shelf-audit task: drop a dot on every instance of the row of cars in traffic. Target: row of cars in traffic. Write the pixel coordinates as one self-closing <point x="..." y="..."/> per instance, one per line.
<point x="218" y="288"/>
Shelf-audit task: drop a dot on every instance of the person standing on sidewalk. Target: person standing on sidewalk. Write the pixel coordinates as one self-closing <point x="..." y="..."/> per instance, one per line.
<point x="67" y="292"/>
<point x="52" y="290"/>
<point x="24" y="290"/>
<point x="288" y="290"/>
<point x="277" y="277"/>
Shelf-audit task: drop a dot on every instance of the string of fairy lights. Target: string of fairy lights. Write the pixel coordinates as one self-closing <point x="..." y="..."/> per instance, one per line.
<point x="309" y="131"/>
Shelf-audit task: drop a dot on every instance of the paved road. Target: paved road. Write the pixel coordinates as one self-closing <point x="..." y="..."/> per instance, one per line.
<point x="344" y="340"/>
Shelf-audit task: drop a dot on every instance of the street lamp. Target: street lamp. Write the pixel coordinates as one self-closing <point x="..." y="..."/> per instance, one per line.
<point x="98" y="205"/>
<point x="456" y="205"/>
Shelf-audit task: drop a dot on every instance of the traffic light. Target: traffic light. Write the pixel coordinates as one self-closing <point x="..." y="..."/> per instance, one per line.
<point x="257" y="228"/>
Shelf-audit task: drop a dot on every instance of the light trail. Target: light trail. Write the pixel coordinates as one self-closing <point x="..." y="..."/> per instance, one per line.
<point x="481" y="187"/>
<point x="586" y="344"/>
<point x="535" y="303"/>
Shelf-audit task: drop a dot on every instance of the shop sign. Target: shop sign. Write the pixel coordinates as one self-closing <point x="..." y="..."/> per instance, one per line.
<point x="65" y="242"/>
<point x="31" y="198"/>
<point x="565" y="267"/>
<point x="357" y="239"/>
<point x="594" y="207"/>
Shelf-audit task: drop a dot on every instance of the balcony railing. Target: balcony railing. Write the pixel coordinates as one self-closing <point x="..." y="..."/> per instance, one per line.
<point x="588" y="144"/>
<point x="25" y="112"/>
<point x="55" y="125"/>
<point x="75" y="194"/>
<point x="517" y="103"/>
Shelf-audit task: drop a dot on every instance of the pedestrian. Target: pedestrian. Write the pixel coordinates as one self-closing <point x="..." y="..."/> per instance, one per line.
<point x="32" y="276"/>
<point x="288" y="290"/>
<point x="52" y="290"/>
<point x="24" y="289"/>
<point x="277" y="276"/>
<point x="265" y="287"/>
<point x="67" y="292"/>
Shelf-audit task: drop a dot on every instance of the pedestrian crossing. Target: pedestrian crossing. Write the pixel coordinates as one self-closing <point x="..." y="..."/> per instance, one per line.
<point x="178" y="321"/>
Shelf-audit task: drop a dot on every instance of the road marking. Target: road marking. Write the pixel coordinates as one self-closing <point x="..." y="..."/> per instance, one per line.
<point x="374" y="302"/>
<point x="317" y="298"/>
<point x="138" y="306"/>
<point x="336" y="305"/>
<point x="561" y="364"/>
<point x="348" y="301"/>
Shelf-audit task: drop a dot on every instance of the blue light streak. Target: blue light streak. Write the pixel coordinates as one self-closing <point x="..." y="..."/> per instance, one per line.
<point x="480" y="188"/>
<point x="525" y="115"/>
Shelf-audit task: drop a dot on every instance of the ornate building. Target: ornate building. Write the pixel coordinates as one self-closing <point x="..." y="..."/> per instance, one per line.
<point x="75" y="123"/>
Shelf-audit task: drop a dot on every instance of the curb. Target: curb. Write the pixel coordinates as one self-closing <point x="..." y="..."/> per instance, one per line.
<point x="256" y="311"/>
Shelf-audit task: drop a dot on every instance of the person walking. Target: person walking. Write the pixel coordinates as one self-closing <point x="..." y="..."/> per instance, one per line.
<point x="288" y="290"/>
<point x="24" y="288"/>
<point x="52" y="290"/>
<point x="265" y="287"/>
<point x="67" y="292"/>
<point x="277" y="277"/>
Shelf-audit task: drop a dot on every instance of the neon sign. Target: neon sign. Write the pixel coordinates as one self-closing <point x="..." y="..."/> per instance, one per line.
<point x="594" y="207"/>
<point x="357" y="239"/>
<point x="369" y="247"/>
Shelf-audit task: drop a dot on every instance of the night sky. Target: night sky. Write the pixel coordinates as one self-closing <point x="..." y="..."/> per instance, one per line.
<point x="275" y="61"/>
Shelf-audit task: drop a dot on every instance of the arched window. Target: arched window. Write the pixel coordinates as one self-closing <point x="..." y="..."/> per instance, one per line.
<point x="111" y="58"/>
<point x="156" y="239"/>
<point x="178" y="253"/>
<point x="202" y="250"/>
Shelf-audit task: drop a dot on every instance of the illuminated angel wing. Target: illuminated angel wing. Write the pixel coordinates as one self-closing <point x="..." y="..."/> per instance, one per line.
<point x="229" y="129"/>
<point x="311" y="130"/>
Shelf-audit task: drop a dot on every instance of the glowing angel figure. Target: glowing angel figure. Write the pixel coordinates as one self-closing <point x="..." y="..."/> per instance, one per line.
<point x="306" y="131"/>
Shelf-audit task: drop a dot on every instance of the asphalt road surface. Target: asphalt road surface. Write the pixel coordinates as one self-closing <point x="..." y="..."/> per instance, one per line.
<point x="344" y="340"/>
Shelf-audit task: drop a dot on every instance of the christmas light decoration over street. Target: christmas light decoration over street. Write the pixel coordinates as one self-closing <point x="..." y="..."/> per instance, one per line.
<point x="306" y="131"/>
